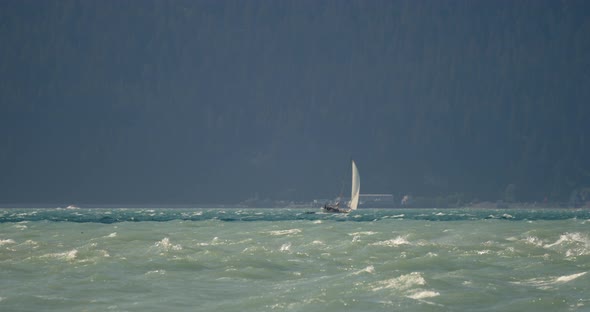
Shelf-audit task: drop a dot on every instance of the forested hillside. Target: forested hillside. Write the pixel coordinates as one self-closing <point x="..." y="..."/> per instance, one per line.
<point x="215" y="101"/>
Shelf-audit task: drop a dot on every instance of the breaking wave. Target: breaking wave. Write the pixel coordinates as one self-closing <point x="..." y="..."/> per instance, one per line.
<point x="551" y="281"/>
<point x="6" y="242"/>
<point x="166" y="245"/>
<point x="573" y="244"/>
<point x="402" y="282"/>
<point x="67" y="255"/>
<point x="394" y="242"/>
<point x="217" y="260"/>
<point x="285" y="232"/>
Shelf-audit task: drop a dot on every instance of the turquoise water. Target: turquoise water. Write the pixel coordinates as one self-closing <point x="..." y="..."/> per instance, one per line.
<point x="291" y="260"/>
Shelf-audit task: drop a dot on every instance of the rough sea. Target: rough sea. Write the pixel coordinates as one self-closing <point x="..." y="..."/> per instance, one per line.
<point x="294" y="260"/>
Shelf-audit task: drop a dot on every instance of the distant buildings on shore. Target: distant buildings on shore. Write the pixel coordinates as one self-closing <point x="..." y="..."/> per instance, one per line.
<point x="366" y="201"/>
<point x="580" y="199"/>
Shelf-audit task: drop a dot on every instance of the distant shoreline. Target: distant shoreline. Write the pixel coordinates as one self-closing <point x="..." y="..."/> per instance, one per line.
<point x="219" y="206"/>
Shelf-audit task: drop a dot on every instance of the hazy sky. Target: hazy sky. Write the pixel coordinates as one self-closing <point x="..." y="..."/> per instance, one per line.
<point x="217" y="101"/>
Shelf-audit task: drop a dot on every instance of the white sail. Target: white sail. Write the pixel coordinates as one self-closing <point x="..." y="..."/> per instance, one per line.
<point x="356" y="187"/>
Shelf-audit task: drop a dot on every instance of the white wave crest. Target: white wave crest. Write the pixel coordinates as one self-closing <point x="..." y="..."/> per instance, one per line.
<point x="549" y="282"/>
<point x="567" y="278"/>
<point x="166" y="245"/>
<point x="402" y="282"/>
<point x="410" y="286"/>
<point x="67" y="255"/>
<point x="356" y="236"/>
<point x="33" y="243"/>
<point x="286" y="247"/>
<point x="285" y="232"/>
<point x="400" y="240"/>
<point x="370" y="269"/>
<point x="362" y="233"/>
<point x="533" y="240"/>
<point x="577" y="244"/>
<point x="158" y="272"/>
<point x="569" y="237"/>
<point x="214" y="241"/>
<point x="423" y="294"/>
<point x="6" y="242"/>
<point x="21" y="225"/>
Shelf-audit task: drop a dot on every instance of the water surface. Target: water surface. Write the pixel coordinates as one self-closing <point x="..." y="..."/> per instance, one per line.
<point x="294" y="260"/>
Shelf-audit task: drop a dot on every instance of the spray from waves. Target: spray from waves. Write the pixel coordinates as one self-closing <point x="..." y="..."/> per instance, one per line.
<point x="31" y="243"/>
<point x="6" y="242"/>
<point x="356" y="236"/>
<point x="286" y="247"/>
<point x="409" y="285"/>
<point x="369" y="269"/>
<point x="21" y="225"/>
<point x="567" y="278"/>
<point x="67" y="255"/>
<point x="402" y="282"/>
<point x="398" y="241"/>
<point x="9" y="246"/>
<point x="363" y="233"/>
<point x="533" y="240"/>
<point x="156" y="272"/>
<point x="285" y="232"/>
<point x="575" y="244"/>
<point x="569" y="244"/>
<point x="166" y="245"/>
<point x="546" y="283"/>
<point x="423" y="294"/>
<point x="569" y="237"/>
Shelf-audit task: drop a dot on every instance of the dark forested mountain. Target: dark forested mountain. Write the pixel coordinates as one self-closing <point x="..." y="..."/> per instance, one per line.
<point x="215" y="101"/>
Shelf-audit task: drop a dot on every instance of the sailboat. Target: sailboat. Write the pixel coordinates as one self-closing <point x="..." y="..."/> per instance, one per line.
<point x="354" y="194"/>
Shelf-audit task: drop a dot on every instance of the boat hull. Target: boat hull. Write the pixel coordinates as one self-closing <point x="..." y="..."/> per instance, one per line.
<point x="328" y="208"/>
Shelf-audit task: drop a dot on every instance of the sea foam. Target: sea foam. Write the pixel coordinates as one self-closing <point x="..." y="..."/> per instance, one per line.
<point x="67" y="255"/>
<point x="423" y="294"/>
<point x="165" y="244"/>
<point x="550" y="281"/>
<point x="6" y="241"/>
<point x="574" y="244"/>
<point x="235" y="262"/>
<point x="285" y="232"/>
<point x="402" y="282"/>
<point x="394" y="242"/>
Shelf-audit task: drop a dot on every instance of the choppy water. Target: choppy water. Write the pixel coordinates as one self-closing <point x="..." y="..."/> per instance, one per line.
<point x="290" y="260"/>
